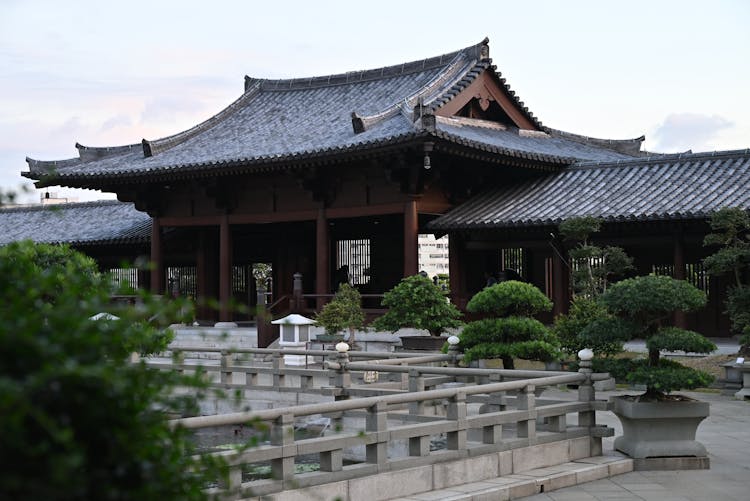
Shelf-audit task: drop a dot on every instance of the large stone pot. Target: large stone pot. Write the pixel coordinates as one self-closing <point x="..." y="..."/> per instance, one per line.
<point x="423" y="343"/>
<point x="659" y="429"/>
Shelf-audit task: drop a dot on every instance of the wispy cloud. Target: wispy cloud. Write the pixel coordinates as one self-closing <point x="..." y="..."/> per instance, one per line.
<point x="689" y="131"/>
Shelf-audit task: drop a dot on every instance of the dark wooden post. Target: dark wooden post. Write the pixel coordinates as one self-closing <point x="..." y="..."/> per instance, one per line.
<point x="225" y="270"/>
<point x="411" y="238"/>
<point x="322" y="271"/>
<point x="157" y="258"/>
<point x="560" y="283"/>
<point x="456" y="270"/>
<point x="680" y="320"/>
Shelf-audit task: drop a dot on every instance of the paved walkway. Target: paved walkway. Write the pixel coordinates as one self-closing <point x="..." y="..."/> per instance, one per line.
<point x="726" y="435"/>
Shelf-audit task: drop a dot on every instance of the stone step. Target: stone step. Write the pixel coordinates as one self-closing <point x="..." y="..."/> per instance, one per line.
<point x="531" y="482"/>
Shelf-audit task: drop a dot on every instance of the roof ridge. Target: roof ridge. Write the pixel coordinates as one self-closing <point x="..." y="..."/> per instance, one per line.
<point x="90" y="153"/>
<point x="661" y="157"/>
<point x="626" y="146"/>
<point x="50" y="165"/>
<point x="64" y="206"/>
<point x="452" y="71"/>
<point x="477" y="51"/>
<point x="156" y="146"/>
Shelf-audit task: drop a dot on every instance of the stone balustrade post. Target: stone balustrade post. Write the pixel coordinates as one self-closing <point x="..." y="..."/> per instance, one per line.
<point x="377" y="422"/>
<point x="279" y="379"/>
<point x="587" y="393"/>
<point x="282" y="434"/>
<point x="456" y="440"/>
<point x="526" y="400"/>
<point x="226" y="374"/>
<point x="178" y="359"/>
<point x="416" y="384"/>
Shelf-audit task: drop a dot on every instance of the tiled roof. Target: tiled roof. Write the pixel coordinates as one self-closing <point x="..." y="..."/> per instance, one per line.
<point x="279" y="122"/>
<point x="86" y="223"/>
<point x="683" y="186"/>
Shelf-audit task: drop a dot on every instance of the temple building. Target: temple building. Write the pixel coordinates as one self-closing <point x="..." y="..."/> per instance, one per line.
<point x="337" y="176"/>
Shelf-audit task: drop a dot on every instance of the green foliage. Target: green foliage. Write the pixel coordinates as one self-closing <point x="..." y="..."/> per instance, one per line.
<point x="676" y="339"/>
<point x="582" y="327"/>
<point x="417" y="303"/>
<point x="580" y="228"/>
<point x="509" y="298"/>
<point x="650" y="299"/>
<point x="641" y="304"/>
<point x="667" y="376"/>
<point x="79" y="421"/>
<point x="343" y="312"/>
<point x="592" y="266"/>
<point x="513" y="335"/>
<point x="731" y="228"/>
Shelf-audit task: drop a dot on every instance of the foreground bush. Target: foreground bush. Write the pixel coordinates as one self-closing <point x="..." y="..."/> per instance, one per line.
<point x="78" y="420"/>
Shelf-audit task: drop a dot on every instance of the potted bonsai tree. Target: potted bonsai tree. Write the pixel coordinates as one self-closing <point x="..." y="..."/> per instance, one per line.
<point x="418" y="303"/>
<point x="658" y="423"/>
<point x="510" y="332"/>
<point x="344" y="312"/>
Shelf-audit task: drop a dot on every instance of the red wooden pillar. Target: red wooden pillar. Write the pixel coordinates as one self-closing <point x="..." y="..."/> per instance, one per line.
<point x="560" y="284"/>
<point x="322" y="258"/>
<point x="157" y="258"/>
<point x="225" y="270"/>
<point x="680" y="320"/>
<point x="411" y="238"/>
<point x="201" y="278"/>
<point x="456" y="271"/>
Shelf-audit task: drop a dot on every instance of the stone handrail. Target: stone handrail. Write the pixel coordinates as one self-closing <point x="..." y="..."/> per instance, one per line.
<point x="378" y="434"/>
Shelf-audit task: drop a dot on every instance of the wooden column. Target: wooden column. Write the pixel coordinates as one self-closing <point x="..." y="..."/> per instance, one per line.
<point x="225" y="270"/>
<point x="322" y="258"/>
<point x="157" y="258"/>
<point x="201" y="278"/>
<point x="560" y="284"/>
<point x="456" y="270"/>
<point x="411" y="238"/>
<point x="680" y="319"/>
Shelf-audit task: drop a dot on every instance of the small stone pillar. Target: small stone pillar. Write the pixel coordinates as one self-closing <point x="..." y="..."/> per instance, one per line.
<point x="586" y="393"/>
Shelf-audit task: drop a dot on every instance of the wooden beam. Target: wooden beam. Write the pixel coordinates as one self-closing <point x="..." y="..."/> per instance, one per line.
<point x="485" y="84"/>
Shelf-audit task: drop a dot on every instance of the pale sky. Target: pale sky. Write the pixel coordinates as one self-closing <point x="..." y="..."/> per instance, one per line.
<point x="107" y="73"/>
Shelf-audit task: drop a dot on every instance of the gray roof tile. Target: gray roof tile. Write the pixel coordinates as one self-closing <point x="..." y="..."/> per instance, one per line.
<point x="683" y="186"/>
<point x="76" y="223"/>
<point x="280" y="121"/>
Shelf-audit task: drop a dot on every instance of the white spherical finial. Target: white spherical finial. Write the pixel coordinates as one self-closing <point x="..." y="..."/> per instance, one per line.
<point x="586" y="354"/>
<point x="453" y="340"/>
<point x="342" y="347"/>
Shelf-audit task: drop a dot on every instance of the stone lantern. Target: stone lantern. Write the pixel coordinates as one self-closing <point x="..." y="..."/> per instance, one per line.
<point x="294" y="333"/>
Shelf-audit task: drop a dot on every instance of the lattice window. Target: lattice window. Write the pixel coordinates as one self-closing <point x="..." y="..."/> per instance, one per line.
<point x="513" y="259"/>
<point x="123" y="276"/>
<point x="182" y="281"/>
<point x="355" y="255"/>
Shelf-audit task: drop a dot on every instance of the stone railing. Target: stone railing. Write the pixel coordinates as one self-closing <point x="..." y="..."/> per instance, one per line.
<point x="480" y="415"/>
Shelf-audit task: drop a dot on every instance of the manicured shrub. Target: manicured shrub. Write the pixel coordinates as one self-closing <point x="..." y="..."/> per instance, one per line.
<point x="642" y="305"/>
<point x="511" y="333"/>
<point x="416" y="302"/>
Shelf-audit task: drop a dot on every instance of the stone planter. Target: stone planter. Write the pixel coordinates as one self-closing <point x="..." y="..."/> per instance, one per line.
<point x="659" y="429"/>
<point x="422" y="343"/>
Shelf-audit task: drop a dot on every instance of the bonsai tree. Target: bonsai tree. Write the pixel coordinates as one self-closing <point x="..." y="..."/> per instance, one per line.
<point x="79" y="420"/>
<point x="592" y="268"/>
<point x="642" y="306"/>
<point x="343" y="312"/>
<point x="418" y="303"/>
<point x="731" y="228"/>
<point x="510" y="333"/>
